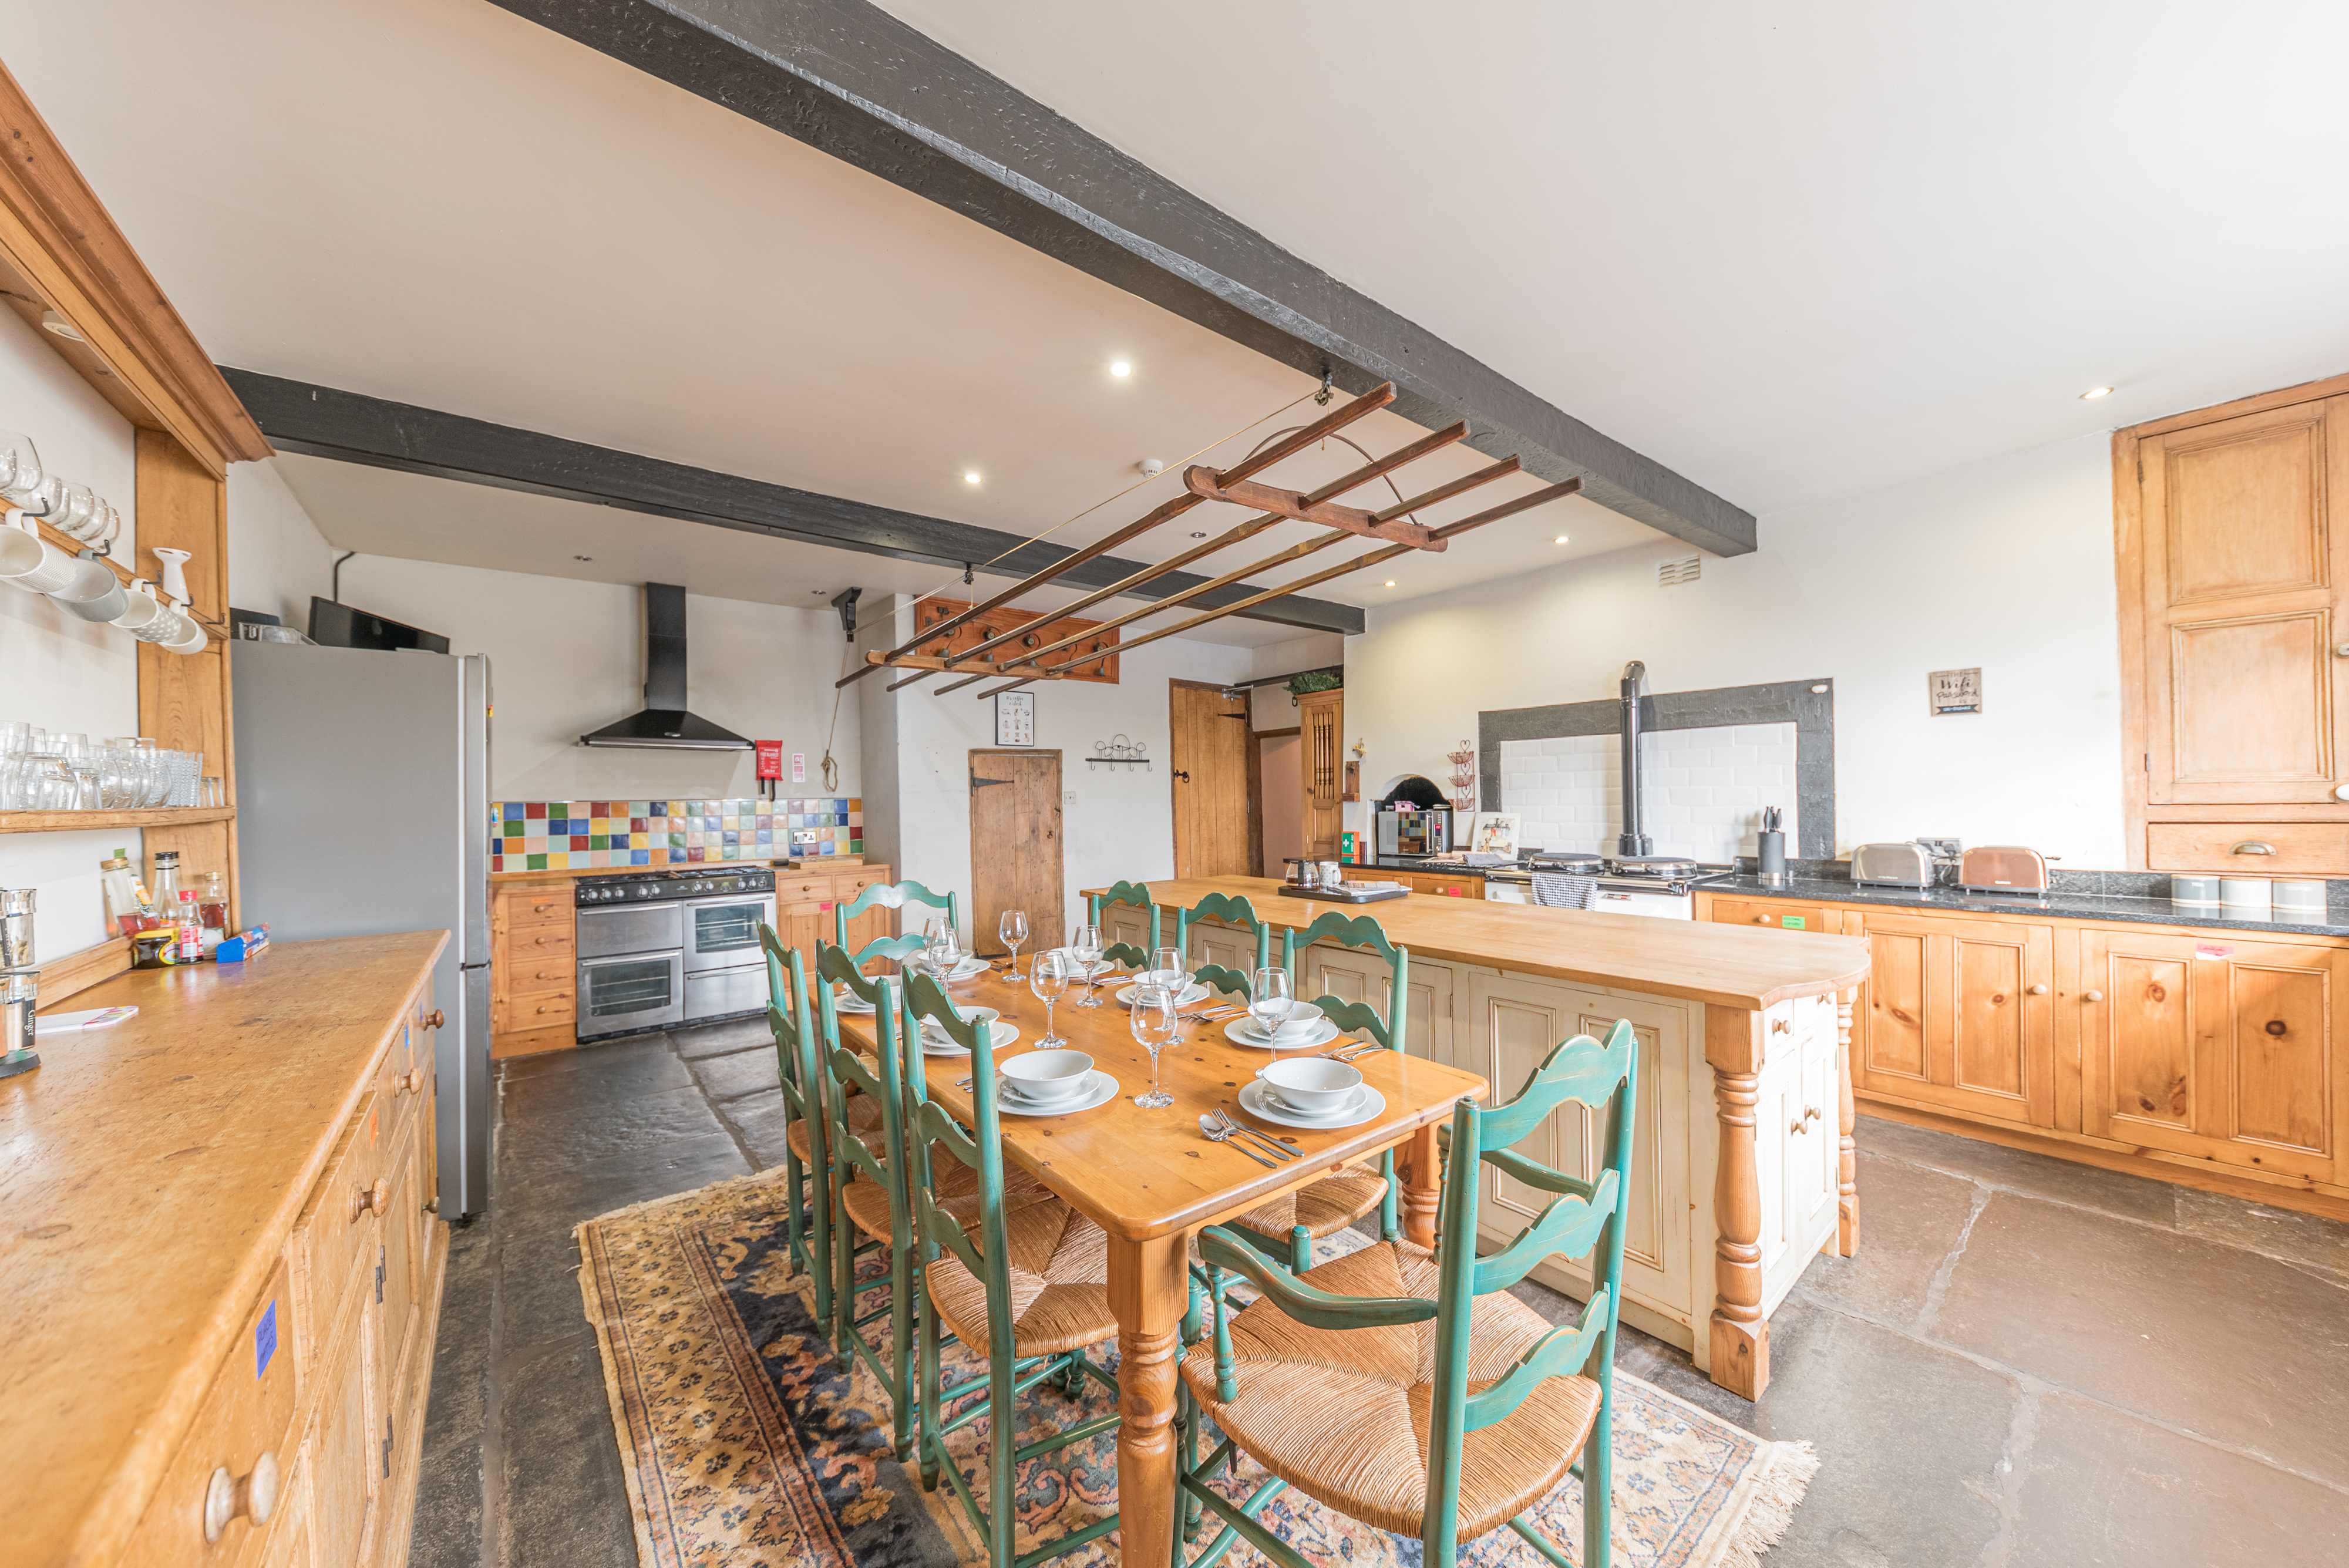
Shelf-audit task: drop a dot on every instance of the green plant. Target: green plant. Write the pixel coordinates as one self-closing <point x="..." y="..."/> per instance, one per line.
<point x="1313" y="680"/>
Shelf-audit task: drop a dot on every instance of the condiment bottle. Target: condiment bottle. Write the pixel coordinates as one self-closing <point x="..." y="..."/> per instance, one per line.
<point x="164" y="891"/>
<point x="122" y="895"/>
<point x="189" y="946"/>
<point x="212" y="906"/>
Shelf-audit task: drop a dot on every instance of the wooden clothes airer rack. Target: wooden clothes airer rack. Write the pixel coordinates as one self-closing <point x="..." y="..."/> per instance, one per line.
<point x="1235" y="485"/>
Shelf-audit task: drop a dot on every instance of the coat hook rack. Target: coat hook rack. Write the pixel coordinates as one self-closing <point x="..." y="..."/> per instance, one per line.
<point x="1118" y="750"/>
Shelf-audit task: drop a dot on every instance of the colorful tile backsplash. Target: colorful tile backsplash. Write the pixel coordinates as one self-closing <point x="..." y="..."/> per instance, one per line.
<point x="567" y="834"/>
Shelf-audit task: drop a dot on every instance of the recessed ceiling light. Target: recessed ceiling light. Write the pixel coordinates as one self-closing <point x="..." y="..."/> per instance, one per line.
<point x="971" y="478"/>
<point x="2095" y="392"/>
<point x="51" y="321"/>
<point x="1121" y="368"/>
<point x="1390" y="582"/>
<point x="1200" y="534"/>
<point x="583" y="557"/>
<point x="1559" y="540"/>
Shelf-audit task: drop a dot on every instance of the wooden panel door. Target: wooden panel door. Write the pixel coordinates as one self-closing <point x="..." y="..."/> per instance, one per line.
<point x="1350" y="974"/>
<point x="1321" y="725"/>
<point x="1015" y="847"/>
<point x="2215" y="1048"/>
<point x="1959" y="1013"/>
<point x="1209" y="774"/>
<point x="2242" y="569"/>
<point x="342" y="1478"/>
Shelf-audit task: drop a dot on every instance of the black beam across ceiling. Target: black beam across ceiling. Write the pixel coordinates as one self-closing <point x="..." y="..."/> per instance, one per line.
<point x="849" y="79"/>
<point x="321" y="421"/>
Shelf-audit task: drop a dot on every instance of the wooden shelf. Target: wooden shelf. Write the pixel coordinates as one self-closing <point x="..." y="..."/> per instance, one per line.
<point x="78" y="821"/>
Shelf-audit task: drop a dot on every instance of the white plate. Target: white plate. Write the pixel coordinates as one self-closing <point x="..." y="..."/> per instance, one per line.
<point x="967" y="969"/>
<point x="1192" y="992"/>
<point x="1241" y="1030"/>
<point x="846" y="1001"/>
<point x="1256" y="1099"/>
<point x="1099" y="1091"/>
<point x="999" y="1034"/>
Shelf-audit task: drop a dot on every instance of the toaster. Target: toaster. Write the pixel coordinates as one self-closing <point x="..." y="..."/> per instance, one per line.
<point x="1892" y="866"/>
<point x="2003" y="868"/>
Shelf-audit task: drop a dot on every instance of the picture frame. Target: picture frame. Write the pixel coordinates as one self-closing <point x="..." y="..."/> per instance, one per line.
<point x="1015" y="718"/>
<point x="1493" y="832"/>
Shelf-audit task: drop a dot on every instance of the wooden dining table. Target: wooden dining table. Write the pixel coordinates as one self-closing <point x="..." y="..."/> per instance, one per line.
<point x="1150" y="1179"/>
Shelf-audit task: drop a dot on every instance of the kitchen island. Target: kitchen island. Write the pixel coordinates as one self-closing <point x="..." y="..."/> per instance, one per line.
<point x="1745" y="1167"/>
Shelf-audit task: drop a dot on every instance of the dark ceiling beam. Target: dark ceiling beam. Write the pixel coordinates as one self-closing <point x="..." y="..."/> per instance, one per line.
<point x="322" y="421"/>
<point x="849" y="79"/>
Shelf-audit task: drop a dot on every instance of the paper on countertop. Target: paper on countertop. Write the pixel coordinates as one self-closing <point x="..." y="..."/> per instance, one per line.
<point x="47" y="1023"/>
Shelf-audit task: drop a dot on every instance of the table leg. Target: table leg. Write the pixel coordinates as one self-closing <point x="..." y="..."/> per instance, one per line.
<point x="1146" y="1290"/>
<point x="1422" y="1187"/>
<point x="1740" y="1333"/>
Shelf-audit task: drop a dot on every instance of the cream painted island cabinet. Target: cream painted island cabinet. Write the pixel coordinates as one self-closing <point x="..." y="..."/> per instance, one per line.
<point x="1743" y="1169"/>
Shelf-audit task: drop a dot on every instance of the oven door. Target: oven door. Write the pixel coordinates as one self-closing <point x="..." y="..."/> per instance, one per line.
<point x="630" y="929"/>
<point x="725" y="992"/>
<point x="723" y="933"/>
<point x="638" y="992"/>
<point x="1658" y="905"/>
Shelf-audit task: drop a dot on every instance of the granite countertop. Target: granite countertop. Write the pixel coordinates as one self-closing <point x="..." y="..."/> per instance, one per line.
<point x="2060" y="905"/>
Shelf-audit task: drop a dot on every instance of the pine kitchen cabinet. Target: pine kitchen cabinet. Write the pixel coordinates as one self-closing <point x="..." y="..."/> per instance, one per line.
<point x="225" y="1285"/>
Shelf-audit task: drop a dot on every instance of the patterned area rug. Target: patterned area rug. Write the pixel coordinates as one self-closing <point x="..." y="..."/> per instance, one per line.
<point x="746" y="1441"/>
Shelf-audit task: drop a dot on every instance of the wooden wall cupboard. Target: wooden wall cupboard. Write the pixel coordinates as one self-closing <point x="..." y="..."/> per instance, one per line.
<point x="2208" y="1056"/>
<point x="2231" y="573"/>
<point x="1321" y="737"/>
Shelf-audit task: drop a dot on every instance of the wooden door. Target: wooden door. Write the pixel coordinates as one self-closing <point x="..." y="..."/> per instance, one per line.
<point x="2214" y="1048"/>
<point x="1959" y="1013"/>
<point x="1015" y="846"/>
<point x="1321" y="723"/>
<point x="1209" y="774"/>
<point x="2242" y="579"/>
<point x="1353" y="974"/>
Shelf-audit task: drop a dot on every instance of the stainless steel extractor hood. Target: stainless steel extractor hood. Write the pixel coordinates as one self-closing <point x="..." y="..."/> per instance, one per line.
<point x="665" y="725"/>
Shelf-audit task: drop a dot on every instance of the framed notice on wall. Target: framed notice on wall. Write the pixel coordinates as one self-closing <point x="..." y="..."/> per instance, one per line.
<point x="1015" y="718"/>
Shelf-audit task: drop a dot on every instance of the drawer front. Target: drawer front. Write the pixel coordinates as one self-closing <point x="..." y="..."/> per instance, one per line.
<point x="334" y="1230"/>
<point x="522" y="976"/>
<point x="1781" y="914"/>
<point x="246" y="1425"/>
<point x="847" y="888"/>
<point x="803" y="888"/>
<point x="2249" y="848"/>
<point x="551" y="906"/>
<point x="541" y="945"/>
<point x="540" y="1009"/>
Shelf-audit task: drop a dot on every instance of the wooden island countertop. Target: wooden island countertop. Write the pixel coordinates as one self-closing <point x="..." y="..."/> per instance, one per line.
<point x="152" y="1173"/>
<point x="1741" y="967"/>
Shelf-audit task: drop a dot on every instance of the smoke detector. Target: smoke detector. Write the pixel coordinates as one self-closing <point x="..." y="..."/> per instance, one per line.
<point x="1150" y="467"/>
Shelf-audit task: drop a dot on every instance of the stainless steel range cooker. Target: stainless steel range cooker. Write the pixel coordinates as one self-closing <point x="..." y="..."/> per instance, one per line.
<point x="678" y="945"/>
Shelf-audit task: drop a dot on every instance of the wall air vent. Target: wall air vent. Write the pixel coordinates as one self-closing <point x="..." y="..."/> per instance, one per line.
<point x="1672" y="574"/>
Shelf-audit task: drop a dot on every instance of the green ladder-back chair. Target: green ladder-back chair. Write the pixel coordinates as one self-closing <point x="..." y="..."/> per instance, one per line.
<point x="1293" y="1382"/>
<point x="973" y="1247"/>
<point x="1239" y="912"/>
<point x="1293" y="1221"/>
<point x="870" y="1181"/>
<point x="807" y="1159"/>
<point x="892" y="896"/>
<point x="1136" y="894"/>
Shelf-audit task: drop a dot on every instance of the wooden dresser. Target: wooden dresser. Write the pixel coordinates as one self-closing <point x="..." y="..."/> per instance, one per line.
<point x="533" y="943"/>
<point x="222" y="1269"/>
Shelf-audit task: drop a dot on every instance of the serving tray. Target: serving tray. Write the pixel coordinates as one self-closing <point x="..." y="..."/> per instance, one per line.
<point x="1348" y="894"/>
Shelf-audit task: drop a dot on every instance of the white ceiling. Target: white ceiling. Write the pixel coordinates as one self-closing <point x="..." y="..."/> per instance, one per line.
<point x="1791" y="252"/>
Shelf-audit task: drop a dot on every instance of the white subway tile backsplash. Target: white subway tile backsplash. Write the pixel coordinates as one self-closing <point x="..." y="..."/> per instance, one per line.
<point x="1706" y="788"/>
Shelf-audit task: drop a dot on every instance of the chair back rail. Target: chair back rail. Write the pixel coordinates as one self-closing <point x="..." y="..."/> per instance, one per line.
<point x="1233" y="911"/>
<point x="1137" y="895"/>
<point x="892" y="896"/>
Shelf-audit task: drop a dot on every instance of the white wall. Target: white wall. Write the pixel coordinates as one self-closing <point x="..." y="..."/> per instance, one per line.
<point x="58" y="671"/>
<point x="2007" y="564"/>
<point x="1271" y="707"/>
<point x="1115" y="823"/>
<point x="568" y="657"/>
<point x="277" y="559"/>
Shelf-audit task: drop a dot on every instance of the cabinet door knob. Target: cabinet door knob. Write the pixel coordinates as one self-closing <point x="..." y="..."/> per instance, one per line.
<point x="2340" y="792"/>
<point x="1761" y="919"/>
<point x="2252" y="847"/>
<point x="2092" y="996"/>
<point x="1782" y="1026"/>
<point x="434" y="1020"/>
<point x="253" y="1495"/>
<point x="2036" y="990"/>
<point x="376" y="1198"/>
<point x="432" y="1204"/>
<point x="412" y="1085"/>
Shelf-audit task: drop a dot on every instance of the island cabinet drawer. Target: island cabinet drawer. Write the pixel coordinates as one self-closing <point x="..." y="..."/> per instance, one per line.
<point x="1778" y="914"/>
<point x="2249" y="848"/>
<point x="227" y="1480"/>
<point x="334" y="1228"/>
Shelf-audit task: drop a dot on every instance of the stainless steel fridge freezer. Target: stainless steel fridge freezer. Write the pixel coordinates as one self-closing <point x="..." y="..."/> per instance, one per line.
<point x="363" y="808"/>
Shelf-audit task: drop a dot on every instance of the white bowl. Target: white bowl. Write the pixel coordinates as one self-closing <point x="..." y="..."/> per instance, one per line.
<point x="1046" y="1078"/>
<point x="1314" y="1085"/>
<point x="1303" y="1016"/>
<point x="972" y="1015"/>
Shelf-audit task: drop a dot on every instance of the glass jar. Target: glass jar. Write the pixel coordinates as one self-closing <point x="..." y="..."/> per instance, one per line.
<point x="212" y="909"/>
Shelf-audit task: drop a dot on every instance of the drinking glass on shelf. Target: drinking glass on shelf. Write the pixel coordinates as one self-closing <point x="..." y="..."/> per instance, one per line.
<point x="1155" y="1022"/>
<point x="1012" y="930"/>
<point x="210" y="792"/>
<point x="1048" y="979"/>
<point x="1268" y="999"/>
<point x="1085" y="946"/>
<point x="20" y="468"/>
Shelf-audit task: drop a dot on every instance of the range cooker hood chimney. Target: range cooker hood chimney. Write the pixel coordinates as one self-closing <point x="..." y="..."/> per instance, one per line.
<point x="665" y="725"/>
<point x="1631" y="843"/>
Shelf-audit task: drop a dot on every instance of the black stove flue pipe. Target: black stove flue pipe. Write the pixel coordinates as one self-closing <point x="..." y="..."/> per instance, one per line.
<point x="1632" y="841"/>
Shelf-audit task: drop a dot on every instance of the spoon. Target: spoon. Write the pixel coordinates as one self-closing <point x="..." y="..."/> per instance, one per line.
<point x="1213" y="1132"/>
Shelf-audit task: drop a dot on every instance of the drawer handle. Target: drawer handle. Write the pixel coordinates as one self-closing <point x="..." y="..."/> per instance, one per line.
<point x="412" y="1085"/>
<point x="2252" y="847"/>
<point x="540" y="908"/>
<point x="557" y="941"/>
<point x="432" y="1204"/>
<point x="2035" y="990"/>
<point x="1810" y="1114"/>
<point x="253" y="1495"/>
<point x="376" y="1198"/>
<point x="434" y="1020"/>
<point x="1761" y="919"/>
<point x="1781" y="1025"/>
<point x="2092" y="996"/>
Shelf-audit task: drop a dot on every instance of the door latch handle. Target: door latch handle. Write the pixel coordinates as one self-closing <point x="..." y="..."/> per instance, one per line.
<point x="1181" y="774"/>
<point x="979" y="783"/>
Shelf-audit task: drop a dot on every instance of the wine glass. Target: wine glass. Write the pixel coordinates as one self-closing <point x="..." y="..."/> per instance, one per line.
<point x="1086" y="946"/>
<point x="1268" y="999"/>
<point x="1167" y="969"/>
<point x="1012" y="929"/>
<point x="944" y="949"/>
<point x="1155" y="1022"/>
<point x="1048" y="978"/>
